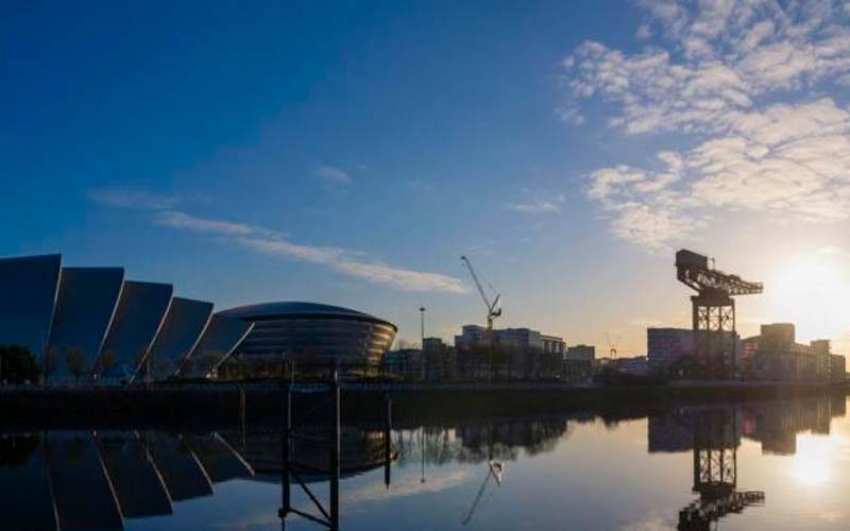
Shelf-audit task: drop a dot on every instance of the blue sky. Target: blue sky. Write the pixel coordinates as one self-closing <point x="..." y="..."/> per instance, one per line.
<point x="349" y="153"/>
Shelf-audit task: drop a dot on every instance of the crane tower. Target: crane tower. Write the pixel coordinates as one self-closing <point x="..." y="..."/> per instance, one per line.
<point x="713" y="309"/>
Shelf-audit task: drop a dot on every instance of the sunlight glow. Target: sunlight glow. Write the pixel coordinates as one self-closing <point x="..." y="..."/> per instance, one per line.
<point x="812" y="464"/>
<point x="813" y="293"/>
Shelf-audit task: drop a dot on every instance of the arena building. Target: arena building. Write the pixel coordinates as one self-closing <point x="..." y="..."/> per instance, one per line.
<point x="313" y="333"/>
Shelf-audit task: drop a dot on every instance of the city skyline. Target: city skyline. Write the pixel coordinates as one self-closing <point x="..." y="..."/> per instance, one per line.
<point x="324" y="153"/>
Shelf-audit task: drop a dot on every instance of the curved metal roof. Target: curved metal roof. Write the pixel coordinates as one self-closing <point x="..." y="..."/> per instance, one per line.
<point x="271" y="310"/>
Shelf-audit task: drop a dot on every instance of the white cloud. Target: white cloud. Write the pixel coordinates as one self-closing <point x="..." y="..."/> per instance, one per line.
<point x="342" y="261"/>
<point x="714" y="75"/>
<point x="181" y="220"/>
<point x="332" y="176"/>
<point x="258" y="239"/>
<point x="120" y="198"/>
<point x="719" y="56"/>
<point x="537" y="206"/>
<point x="351" y="263"/>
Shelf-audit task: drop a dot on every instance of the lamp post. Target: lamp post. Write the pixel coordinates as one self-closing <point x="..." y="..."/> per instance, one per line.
<point x="422" y="350"/>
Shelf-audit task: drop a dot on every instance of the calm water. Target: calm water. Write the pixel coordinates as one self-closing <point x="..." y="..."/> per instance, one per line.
<point x="772" y="465"/>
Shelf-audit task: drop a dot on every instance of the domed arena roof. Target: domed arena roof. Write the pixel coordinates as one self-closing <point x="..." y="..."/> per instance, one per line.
<point x="277" y="310"/>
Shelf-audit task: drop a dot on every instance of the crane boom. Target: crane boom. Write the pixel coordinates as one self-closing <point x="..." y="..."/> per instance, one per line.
<point x="478" y="285"/>
<point x="692" y="269"/>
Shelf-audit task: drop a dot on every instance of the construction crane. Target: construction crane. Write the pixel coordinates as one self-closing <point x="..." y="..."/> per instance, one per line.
<point x="612" y="345"/>
<point x="493" y="308"/>
<point x="713" y="309"/>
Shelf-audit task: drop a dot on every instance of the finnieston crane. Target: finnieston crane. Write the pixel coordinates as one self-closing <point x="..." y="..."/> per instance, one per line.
<point x="493" y="308"/>
<point x="713" y="308"/>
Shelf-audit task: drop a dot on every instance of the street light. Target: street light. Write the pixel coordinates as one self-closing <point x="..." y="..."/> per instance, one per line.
<point x="422" y="350"/>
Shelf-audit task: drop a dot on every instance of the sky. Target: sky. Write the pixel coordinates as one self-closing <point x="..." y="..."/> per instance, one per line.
<point x="350" y="152"/>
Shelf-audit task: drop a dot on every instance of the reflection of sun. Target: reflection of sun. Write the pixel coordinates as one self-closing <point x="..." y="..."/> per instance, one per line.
<point x="812" y="292"/>
<point x="812" y="464"/>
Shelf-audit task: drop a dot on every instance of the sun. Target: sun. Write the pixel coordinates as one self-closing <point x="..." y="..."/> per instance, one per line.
<point x="812" y="291"/>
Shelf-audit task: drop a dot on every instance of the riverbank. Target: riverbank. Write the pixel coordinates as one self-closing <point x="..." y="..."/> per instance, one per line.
<point x="226" y="405"/>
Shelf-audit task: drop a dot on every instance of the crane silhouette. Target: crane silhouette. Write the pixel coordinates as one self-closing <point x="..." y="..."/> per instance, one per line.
<point x="713" y="309"/>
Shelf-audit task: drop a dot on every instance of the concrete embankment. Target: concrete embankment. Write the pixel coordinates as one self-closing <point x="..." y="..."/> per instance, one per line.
<point x="219" y="405"/>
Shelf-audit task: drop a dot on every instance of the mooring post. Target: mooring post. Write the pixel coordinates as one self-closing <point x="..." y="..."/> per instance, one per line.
<point x="335" y="450"/>
<point x="388" y="427"/>
<point x="242" y="413"/>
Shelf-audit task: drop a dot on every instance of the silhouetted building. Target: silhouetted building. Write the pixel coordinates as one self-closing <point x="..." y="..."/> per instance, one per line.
<point x="433" y="344"/>
<point x="91" y="325"/>
<point x="779" y="357"/>
<point x="665" y="346"/>
<point x="524" y="344"/>
<point x="586" y="353"/>
<point x="669" y="347"/>
<point x="578" y="362"/>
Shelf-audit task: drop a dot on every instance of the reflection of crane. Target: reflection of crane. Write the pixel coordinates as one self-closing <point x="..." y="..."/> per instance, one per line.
<point x="713" y="309"/>
<point x="495" y="469"/>
<point x="493" y="308"/>
<point x="716" y="472"/>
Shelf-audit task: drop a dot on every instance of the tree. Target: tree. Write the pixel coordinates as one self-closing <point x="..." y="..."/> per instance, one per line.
<point x="51" y="362"/>
<point x="15" y="450"/>
<point x="106" y="361"/>
<point x="17" y="364"/>
<point x="76" y="361"/>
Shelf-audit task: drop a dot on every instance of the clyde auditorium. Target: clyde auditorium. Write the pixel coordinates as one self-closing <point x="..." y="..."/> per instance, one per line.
<point x="91" y="324"/>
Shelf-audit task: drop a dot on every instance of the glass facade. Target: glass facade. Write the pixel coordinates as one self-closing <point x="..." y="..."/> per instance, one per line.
<point x="320" y="333"/>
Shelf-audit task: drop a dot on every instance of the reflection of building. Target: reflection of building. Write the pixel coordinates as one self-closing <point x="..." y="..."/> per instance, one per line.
<point x="312" y="334"/>
<point x="360" y="451"/>
<point x="93" y="325"/>
<point x="81" y="480"/>
<point x="774" y="424"/>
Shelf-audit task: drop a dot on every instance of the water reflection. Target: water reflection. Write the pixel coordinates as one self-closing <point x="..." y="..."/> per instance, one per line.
<point x="714" y="435"/>
<point x="448" y="474"/>
<point x="75" y="480"/>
